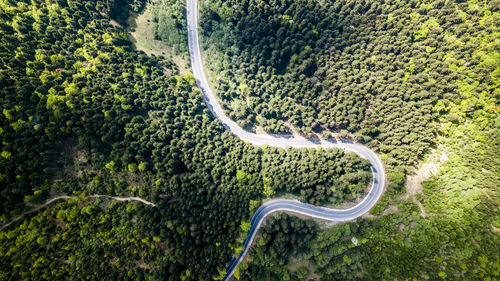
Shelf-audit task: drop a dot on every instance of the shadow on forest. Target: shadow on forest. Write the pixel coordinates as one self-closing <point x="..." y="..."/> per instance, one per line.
<point x="290" y="38"/>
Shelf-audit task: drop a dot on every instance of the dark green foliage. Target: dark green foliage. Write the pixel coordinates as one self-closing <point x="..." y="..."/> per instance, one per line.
<point x="121" y="9"/>
<point x="317" y="182"/>
<point x="84" y="113"/>
<point x="388" y="248"/>
<point x="281" y="237"/>
<point x="371" y="68"/>
<point x="71" y="240"/>
<point x="450" y="230"/>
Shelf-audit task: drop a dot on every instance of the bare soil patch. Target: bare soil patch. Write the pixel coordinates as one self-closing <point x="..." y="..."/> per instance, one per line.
<point x="425" y="170"/>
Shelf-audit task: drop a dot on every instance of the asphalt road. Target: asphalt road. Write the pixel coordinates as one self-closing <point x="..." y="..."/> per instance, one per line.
<point x="283" y="141"/>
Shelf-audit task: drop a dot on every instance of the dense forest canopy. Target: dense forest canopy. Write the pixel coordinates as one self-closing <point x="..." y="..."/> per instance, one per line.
<point x="403" y="76"/>
<point x="84" y="113"/>
<point x="375" y="69"/>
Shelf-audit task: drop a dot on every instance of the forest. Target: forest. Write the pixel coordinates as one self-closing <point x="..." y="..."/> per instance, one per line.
<point x="85" y="113"/>
<point x="369" y="70"/>
<point x="450" y="229"/>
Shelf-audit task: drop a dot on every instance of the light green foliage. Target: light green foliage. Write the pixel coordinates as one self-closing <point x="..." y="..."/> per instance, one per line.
<point x="6" y="154"/>
<point x="142" y="166"/>
<point x="36" y="247"/>
<point x="245" y="226"/>
<point x="268" y="191"/>
<point x="237" y="273"/>
<point x="141" y="71"/>
<point x="107" y="38"/>
<point x="458" y="238"/>
<point x="111" y="166"/>
<point x="240" y="175"/>
<point x="254" y="204"/>
<point x="186" y="274"/>
<point x="53" y="99"/>
<point x="169" y="22"/>
<point x="132" y="167"/>
<point x="71" y="89"/>
<point x="16" y="125"/>
<point x="222" y="273"/>
<point x="189" y="78"/>
<point x="243" y="88"/>
<point x="430" y="24"/>
<point x="6" y="113"/>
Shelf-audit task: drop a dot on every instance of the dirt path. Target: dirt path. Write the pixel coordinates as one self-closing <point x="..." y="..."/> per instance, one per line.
<point x="124" y="199"/>
<point x="51" y="200"/>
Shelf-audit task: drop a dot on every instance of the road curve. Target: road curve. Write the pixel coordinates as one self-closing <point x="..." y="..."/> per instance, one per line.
<point x="283" y="141"/>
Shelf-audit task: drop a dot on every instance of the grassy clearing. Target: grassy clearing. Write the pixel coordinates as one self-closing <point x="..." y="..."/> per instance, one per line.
<point x="141" y="33"/>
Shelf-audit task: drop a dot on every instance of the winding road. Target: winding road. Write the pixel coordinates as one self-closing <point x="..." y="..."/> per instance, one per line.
<point x="283" y="141"/>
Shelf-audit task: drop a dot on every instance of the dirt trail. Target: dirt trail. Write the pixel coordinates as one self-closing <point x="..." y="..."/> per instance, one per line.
<point x="51" y="200"/>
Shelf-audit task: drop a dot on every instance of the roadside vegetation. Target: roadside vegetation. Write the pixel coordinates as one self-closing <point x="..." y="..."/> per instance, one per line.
<point x="84" y="112"/>
<point x="373" y="69"/>
<point x="454" y="233"/>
